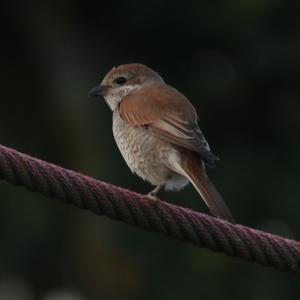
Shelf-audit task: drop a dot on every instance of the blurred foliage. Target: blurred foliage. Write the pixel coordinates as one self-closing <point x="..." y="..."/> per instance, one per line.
<point x="237" y="61"/>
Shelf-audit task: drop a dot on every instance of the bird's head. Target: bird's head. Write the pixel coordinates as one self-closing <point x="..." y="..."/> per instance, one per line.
<point x="120" y="81"/>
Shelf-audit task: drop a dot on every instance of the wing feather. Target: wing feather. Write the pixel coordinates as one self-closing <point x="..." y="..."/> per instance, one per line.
<point x="169" y="115"/>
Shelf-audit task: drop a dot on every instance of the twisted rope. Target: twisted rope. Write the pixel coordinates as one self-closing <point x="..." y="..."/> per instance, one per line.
<point x="135" y="209"/>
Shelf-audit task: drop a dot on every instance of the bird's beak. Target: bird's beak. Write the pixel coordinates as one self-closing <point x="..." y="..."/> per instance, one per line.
<point x="96" y="91"/>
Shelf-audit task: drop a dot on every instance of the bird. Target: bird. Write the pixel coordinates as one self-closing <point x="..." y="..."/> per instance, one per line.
<point x="156" y="130"/>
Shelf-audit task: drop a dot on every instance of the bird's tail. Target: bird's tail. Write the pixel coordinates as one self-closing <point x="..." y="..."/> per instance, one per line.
<point x="194" y="170"/>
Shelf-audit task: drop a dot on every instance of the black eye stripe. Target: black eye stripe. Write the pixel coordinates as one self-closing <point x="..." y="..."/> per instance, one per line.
<point x="120" y="80"/>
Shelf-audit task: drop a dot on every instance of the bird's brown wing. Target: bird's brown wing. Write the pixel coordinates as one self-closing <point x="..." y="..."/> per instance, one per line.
<point x="169" y="115"/>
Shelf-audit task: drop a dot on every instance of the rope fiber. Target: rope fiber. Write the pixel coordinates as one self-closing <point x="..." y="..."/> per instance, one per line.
<point x="135" y="209"/>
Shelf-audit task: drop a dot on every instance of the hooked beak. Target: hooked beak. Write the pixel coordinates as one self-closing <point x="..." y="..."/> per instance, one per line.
<point x="96" y="91"/>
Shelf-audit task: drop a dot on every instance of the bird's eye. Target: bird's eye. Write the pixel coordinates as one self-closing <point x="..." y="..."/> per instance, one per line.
<point x="121" y="80"/>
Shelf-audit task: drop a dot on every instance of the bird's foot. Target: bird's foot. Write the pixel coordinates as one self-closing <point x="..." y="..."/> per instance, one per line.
<point x="153" y="194"/>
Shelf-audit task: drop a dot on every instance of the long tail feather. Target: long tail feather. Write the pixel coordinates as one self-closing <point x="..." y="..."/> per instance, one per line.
<point x="194" y="170"/>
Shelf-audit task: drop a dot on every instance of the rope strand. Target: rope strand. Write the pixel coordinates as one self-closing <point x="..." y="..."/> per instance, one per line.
<point x="135" y="209"/>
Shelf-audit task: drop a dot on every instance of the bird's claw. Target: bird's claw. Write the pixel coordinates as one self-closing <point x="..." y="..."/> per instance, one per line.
<point x="152" y="196"/>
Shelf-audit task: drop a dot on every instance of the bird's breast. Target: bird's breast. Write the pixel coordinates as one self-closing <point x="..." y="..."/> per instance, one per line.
<point x="143" y="152"/>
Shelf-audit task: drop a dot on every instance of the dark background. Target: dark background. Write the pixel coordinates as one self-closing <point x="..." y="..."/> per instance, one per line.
<point x="237" y="61"/>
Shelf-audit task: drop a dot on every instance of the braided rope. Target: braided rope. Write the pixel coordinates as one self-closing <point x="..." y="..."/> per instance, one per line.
<point x="135" y="209"/>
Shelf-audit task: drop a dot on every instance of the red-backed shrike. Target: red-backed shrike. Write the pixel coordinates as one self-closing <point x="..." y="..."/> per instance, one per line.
<point x="156" y="129"/>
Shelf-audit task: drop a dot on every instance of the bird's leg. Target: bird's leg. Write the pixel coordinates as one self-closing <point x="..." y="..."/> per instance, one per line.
<point x="153" y="193"/>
